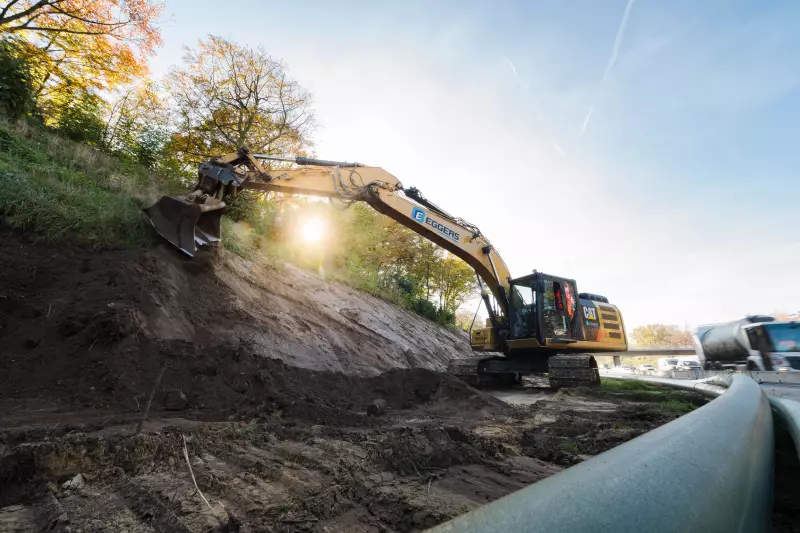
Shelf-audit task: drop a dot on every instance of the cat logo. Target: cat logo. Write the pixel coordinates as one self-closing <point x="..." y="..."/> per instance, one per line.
<point x="589" y="313"/>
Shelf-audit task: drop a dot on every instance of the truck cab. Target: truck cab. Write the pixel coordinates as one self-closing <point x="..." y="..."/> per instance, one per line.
<point x="775" y="346"/>
<point x="756" y="343"/>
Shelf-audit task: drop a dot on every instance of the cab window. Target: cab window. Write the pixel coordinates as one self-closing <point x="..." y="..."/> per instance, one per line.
<point x="523" y="300"/>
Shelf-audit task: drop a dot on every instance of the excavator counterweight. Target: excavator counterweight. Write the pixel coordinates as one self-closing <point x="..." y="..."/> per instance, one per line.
<point x="540" y="324"/>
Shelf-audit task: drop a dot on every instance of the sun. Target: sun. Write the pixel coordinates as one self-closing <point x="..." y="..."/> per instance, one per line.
<point x="313" y="230"/>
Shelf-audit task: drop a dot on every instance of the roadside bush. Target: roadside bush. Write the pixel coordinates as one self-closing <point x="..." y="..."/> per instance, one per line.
<point x="81" y="119"/>
<point x="16" y="87"/>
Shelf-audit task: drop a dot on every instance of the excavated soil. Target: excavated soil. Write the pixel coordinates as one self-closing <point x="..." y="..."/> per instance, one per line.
<point x="439" y="450"/>
<point x="261" y="377"/>
<point x="86" y="329"/>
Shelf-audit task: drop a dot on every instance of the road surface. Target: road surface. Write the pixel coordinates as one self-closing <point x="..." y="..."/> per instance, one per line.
<point x="789" y="391"/>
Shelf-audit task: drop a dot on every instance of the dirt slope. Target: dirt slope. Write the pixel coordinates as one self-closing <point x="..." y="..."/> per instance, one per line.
<point x="94" y="328"/>
<point x="267" y="375"/>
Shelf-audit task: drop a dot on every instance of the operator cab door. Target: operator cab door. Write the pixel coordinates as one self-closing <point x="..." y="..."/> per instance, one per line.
<point x="522" y="311"/>
<point x="559" y="310"/>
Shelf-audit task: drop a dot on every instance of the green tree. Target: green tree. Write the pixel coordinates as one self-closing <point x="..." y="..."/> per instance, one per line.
<point x="16" y="84"/>
<point x="661" y="335"/>
<point x="455" y="282"/>
<point x="81" y="118"/>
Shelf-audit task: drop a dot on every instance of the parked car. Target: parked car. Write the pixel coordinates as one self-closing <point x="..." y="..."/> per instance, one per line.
<point x="679" y="368"/>
<point x="645" y="370"/>
<point x="691" y="369"/>
<point x="624" y="369"/>
<point x="666" y="367"/>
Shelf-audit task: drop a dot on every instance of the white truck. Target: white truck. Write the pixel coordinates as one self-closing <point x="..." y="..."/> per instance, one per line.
<point x="679" y="367"/>
<point x="757" y="342"/>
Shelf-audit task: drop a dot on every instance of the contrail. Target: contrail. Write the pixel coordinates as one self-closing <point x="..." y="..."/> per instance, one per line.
<point x="511" y="65"/>
<point x="586" y="120"/>
<point x="611" y="59"/>
<point x="559" y="149"/>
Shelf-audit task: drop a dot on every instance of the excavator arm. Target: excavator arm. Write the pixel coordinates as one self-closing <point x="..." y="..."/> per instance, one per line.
<point x="194" y="219"/>
<point x="542" y="324"/>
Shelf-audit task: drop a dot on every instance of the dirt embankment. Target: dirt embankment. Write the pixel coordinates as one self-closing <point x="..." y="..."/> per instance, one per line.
<point x="268" y="375"/>
<point x="93" y="330"/>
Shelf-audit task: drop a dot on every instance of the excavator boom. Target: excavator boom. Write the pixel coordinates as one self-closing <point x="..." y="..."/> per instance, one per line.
<point x="194" y="220"/>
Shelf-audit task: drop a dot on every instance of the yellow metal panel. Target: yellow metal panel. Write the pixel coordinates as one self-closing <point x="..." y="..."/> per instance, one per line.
<point x="484" y="339"/>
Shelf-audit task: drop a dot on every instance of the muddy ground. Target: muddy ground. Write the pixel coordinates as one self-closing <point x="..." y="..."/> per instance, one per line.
<point x="262" y="376"/>
<point x="309" y="460"/>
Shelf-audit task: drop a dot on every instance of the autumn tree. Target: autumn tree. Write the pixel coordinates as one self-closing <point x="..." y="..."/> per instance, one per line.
<point x="80" y="46"/>
<point x="455" y="282"/>
<point x="135" y="124"/>
<point x="661" y="335"/>
<point x="227" y="96"/>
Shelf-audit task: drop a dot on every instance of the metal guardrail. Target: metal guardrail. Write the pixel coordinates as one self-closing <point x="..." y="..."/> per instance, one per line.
<point x="708" y="471"/>
<point x="789" y="412"/>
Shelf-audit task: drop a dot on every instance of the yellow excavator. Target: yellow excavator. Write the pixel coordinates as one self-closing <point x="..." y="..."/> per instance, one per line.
<point x="537" y="323"/>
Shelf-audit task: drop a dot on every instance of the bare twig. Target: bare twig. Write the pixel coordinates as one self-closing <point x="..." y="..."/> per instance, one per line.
<point x="189" y="464"/>
<point x="52" y="429"/>
<point x="150" y="399"/>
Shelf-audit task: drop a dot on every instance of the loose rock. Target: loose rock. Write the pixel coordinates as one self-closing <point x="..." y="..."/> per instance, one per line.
<point x="76" y="483"/>
<point x="175" y="401"/>
<point x="377" y="407"/>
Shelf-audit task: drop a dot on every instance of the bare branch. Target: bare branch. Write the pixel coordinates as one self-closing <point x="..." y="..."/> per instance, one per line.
<point x="22" y="14"/>
<point x="88" y="21"/>
<point x="56" y="30"/>
<point x="6" y="8"/>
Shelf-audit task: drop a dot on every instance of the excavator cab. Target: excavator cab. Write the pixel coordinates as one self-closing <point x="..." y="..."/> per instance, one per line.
<point x="544" y="308"/>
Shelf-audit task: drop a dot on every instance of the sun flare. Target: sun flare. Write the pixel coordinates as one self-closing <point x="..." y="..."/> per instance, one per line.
<point x="313" y="230"/>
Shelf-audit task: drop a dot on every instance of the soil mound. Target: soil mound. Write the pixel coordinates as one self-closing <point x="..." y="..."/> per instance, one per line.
<point x="94" y="330"/>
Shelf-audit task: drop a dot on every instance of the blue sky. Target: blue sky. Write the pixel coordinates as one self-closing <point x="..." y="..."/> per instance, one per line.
<point x="678" y="197"/>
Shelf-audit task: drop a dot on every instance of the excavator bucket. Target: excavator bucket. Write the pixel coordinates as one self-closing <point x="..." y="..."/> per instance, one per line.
<point x="185" y="223"/>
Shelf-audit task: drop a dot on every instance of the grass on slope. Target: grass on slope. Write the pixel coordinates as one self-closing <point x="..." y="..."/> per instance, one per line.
<point x="58" y="189"/>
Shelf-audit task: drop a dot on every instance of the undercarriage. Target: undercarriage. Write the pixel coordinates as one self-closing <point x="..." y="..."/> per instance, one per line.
<point x="563" y="371"/>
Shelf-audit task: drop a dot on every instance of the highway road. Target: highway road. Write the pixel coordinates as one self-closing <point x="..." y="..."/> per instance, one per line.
<point x="789" y="391"/>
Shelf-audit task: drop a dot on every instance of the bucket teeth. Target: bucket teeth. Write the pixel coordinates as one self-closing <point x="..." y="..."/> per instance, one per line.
<point x="185" y="222"/>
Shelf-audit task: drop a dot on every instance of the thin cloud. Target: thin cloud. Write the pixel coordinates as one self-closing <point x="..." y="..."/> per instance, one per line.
<point x="586" y="120"/>
<point x="612" y="59"/>
<point x="511" y="66"/>
<point x="618" y="40"/>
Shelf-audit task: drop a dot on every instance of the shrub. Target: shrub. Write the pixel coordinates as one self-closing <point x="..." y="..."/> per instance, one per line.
<point x="16" y="86"/>
<point x="81" y="119"/>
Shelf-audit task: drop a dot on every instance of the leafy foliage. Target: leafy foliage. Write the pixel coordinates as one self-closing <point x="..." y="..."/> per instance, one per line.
<point x="81" y="119"/>
<point x="226" y="96"/>
<point x="16" y="86"/>
<point x="661" y="335"/>
<point x="83" y="45"/>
